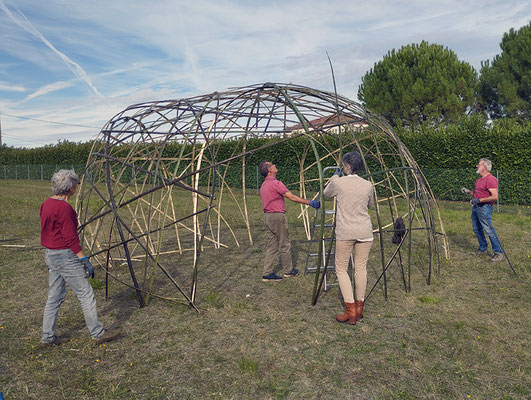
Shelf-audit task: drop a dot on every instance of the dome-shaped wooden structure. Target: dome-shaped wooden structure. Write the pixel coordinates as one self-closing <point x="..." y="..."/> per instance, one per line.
<point x="155" y="186"/>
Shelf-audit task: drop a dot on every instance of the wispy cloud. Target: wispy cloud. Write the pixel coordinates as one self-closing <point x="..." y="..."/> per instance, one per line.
<point x="25" y="24"/>
<point x="138" y="51"/>
<point x="7" y="87"/>
<point x="46" y="89"/>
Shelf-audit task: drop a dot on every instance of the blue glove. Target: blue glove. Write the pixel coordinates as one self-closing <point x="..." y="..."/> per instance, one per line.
<point x="337" y="172"/>
<point x="88" y="266"/>
<point x="315" y="204"/>
<point x="475" y="202"/>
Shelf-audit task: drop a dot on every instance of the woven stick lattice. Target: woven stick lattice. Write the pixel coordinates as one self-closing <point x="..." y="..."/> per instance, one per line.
<point x="155" y="185"/>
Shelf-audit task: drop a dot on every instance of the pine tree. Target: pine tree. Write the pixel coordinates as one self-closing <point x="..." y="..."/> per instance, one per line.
<point x="419" y="83"/>
<point x="505" y="83"/>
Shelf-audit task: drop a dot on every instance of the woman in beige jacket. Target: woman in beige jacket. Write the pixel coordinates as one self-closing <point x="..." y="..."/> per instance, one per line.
<point x="353" y="231"/>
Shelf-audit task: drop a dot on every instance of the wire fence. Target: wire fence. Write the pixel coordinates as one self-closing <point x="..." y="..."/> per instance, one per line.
<point x="35" y="172"/>
<point x="514" y="185"/>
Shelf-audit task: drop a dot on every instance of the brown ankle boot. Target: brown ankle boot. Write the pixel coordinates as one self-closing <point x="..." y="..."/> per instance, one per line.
<point x="358" y="308"/>
<point x="350" y="312"/>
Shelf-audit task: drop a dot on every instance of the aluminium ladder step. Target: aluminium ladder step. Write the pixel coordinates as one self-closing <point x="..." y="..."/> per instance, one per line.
<point x="316" y="254"/>
<point x="328" y="268"/>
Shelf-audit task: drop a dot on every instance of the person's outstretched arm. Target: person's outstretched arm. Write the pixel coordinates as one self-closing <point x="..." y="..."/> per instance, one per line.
<point x="296" y="199"/>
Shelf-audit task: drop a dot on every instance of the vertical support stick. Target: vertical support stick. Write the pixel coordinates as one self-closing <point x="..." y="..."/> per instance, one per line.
<point x="498" y="199"/>
<point x="118" y="222"/>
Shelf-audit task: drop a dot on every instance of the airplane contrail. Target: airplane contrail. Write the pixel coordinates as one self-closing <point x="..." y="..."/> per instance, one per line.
<point x="25" y="24"/>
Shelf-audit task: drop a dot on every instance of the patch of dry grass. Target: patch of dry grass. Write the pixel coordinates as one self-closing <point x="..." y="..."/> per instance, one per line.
<point x="465" y="335"/>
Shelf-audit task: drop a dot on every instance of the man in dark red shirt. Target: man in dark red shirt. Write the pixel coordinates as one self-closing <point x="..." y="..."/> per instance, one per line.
<point x="66" y="262"/>
<point x="484" y="195"/>
<point x="273" y="192"/>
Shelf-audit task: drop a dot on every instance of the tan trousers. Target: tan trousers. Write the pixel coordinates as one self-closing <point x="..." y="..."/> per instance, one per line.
<point x="277" y="242"/>
<point x="361" y="255"/>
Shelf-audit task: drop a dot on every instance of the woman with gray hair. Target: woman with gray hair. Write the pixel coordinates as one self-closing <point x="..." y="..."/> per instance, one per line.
<point x="354" y="197"/>
<point x="66" y="261"/>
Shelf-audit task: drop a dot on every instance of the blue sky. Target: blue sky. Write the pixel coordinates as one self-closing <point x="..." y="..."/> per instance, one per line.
<point x="81" y="62"/>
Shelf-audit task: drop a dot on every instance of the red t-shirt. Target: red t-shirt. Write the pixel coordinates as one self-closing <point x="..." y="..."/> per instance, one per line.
<point x="59" y="226"/>
<point x="272" y="194"/>
<point x="482" y="186"/>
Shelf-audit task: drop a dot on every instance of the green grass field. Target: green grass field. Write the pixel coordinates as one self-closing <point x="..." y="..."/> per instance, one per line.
<point x="466" y="336"/>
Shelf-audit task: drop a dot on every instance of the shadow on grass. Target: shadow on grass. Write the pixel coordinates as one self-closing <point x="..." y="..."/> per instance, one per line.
<point x="121" y="304"/>
<point x="462" y="242"/>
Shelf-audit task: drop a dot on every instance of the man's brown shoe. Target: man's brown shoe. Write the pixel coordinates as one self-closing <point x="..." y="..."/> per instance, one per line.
<point x="108" y="336"/>
<point x="497" y="257"/>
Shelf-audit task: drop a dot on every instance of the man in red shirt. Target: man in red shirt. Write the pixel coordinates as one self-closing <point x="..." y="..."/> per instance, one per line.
<point x="484" y="195"/>
<point x="273" y="192"/>
<point x="67" y="263"/>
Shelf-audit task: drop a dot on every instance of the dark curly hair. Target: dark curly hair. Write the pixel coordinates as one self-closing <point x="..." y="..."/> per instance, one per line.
<point x="354" y="160"/>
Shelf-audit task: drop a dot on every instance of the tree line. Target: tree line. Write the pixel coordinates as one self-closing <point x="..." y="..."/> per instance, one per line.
<point x="427" y="84"/>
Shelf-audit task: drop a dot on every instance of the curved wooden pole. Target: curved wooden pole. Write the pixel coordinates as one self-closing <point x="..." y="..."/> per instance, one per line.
<point x="321" y="186"/>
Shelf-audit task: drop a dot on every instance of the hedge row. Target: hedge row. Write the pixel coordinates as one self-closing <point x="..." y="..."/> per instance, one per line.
<point x="447" y="155"/>
<point x="506" y="142"/>
<point x="64" y="153"/>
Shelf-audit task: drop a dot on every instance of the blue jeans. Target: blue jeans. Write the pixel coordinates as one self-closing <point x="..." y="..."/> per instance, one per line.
<point x="482" y="224"/>
<point x="65" y="267"/>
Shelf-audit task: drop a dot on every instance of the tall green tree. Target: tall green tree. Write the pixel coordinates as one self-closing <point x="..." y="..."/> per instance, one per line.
<point x="419" y="83"/>
<point x="505" y="84"/>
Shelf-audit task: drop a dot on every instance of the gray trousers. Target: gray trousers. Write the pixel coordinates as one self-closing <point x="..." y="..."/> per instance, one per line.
<point x="65" y="268"/>
<point x="278" y="243"/>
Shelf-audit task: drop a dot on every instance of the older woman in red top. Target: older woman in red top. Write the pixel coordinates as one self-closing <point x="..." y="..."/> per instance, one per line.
<point x="66" y="262"/>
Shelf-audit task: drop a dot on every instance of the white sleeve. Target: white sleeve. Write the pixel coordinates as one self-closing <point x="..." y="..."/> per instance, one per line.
<point x="331" y="189"/>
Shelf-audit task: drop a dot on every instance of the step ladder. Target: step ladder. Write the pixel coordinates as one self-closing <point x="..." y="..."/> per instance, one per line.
<point x="327" y="244"/>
